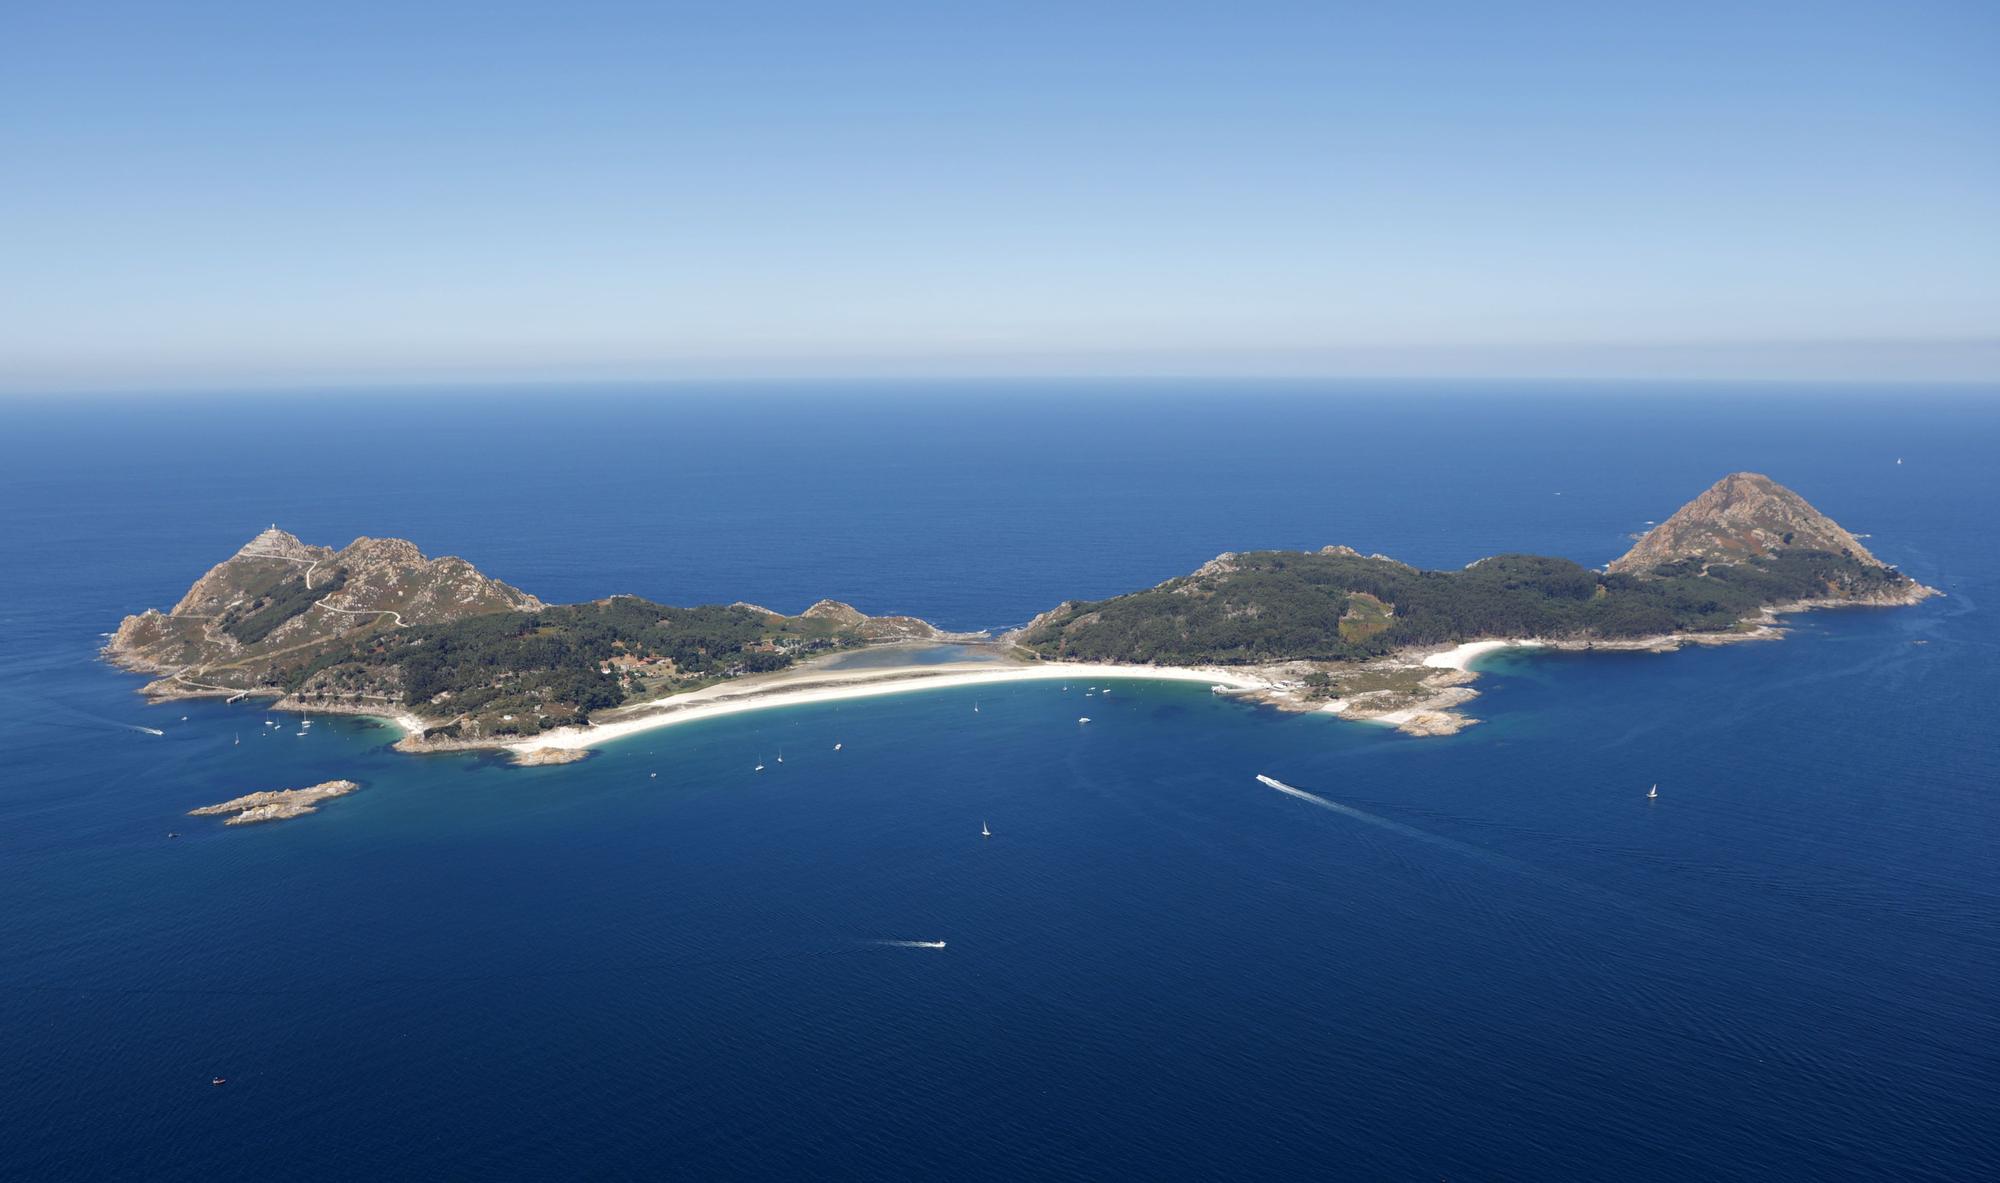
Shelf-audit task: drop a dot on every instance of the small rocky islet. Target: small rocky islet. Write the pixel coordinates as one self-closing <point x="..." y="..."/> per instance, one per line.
<point x="273" y="805"/>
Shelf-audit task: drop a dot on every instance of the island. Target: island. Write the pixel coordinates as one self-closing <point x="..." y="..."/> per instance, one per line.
<point x="461" y="661"/>
<point x="276" y="804"/>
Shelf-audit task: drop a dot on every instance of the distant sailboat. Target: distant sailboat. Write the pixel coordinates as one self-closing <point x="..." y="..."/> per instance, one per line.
<point x="983" y="831"/>
<point x="760" y="766"/>
<point x="239" y="737"/>
<point x="1084" y="719"/>
<point x="781" y="755"/>
<point x="1652" y="792"/>
<point x="975" y="706"/>
<point x="836" y="747"/>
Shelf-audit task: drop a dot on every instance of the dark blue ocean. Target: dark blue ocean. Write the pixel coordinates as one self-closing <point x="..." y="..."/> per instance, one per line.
<point x="1496" y="961"/>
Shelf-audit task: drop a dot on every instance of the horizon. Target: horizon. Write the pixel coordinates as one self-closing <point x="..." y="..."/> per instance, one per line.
<point x="380" y="197"/>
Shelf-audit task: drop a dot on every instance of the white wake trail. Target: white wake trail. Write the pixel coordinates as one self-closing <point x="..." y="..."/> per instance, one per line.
<point x="1604" y="894"/>
<point x="910" y="944"/>
<point x="1395" y="827"/>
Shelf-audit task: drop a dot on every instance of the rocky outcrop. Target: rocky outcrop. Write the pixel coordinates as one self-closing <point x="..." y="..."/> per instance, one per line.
<point x="539" y="757"/>
<point x="1744" y="515"/>
<point x="881" y="629"/>
<point x="844" y="615"/>
<point x="278" y="595"/>
<point x="276" y="804"/>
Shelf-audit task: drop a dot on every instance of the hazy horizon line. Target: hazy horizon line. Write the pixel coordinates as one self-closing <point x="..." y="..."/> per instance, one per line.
<point x="1957" y="362"/>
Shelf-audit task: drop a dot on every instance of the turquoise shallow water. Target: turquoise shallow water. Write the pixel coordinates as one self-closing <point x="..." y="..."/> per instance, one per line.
<point x="1493" y="959"/>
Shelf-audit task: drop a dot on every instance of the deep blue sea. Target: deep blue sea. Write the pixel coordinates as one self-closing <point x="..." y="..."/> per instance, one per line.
<point x="1497" y="960"/>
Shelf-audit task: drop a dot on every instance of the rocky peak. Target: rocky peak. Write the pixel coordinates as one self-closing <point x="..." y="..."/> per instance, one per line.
<point x="274" y="543"/>
<point x="845" y="615"/>
<point x="382" y="550"/>
<point x="1744" y="515"/>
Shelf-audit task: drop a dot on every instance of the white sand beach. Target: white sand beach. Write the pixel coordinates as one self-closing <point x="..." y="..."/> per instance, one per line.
<point x="1461" y="657"/>
<point x="807" y="686"/>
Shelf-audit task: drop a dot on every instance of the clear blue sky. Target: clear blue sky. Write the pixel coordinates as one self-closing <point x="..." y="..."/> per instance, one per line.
<point x="214" y="194"/>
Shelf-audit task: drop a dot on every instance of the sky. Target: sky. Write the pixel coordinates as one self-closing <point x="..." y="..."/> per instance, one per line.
<point x="222" y="195"/>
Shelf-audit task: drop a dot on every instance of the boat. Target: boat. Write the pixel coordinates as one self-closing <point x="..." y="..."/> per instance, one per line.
<point x="219" y="1080"/>
<point x="239" y="737"/>
<point x="975" y="706"/>
<point x="1084" y="719"/>
<point x="836" y="747"/>
<point x="759" y="768"/>
<point x="781" y="755"/>
<point x="1652" y="792"/>
<point x="983" y="831"/>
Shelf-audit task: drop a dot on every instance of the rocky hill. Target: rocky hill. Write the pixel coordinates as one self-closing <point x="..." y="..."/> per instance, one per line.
<point x="881" y="629"/>
<point x="1745" y="515"/>
<point x="277" y="596"/>
<point x="378" y="628"/>
<point x="1745" y="546"/>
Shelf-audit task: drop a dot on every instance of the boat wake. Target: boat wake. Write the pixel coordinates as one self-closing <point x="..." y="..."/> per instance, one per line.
<point x="1503" y="862"/>
<point x="910" y="944"/>
<point x="1396" y="827"/>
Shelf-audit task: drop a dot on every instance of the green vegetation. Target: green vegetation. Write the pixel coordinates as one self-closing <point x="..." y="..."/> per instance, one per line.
<point x="1365" y="616"/>
<point x="281" y="603"/>
<point x="559" y="664"/>
<point x="1276" y="605"/>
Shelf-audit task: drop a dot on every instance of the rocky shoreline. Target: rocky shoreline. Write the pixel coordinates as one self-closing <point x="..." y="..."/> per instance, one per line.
<point x="276" y="804"/>
<point x="271" y="614"/>
<point x="1427" y="704"/>
<point x="1419" y="692"/>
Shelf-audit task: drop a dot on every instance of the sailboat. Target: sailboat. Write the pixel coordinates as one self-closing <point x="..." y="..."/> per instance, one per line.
<point x="781" y="755"/>
<point x="1652" y="792"/>
<point x="975" y="706"/>
<point x="836" y="747"/>
<point x="760" y="765"/>
<point x="983" y="831"/>
<point x="239" y="738"/>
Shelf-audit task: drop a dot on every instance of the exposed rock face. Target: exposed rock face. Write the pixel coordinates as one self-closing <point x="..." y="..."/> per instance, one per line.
<point x="844" y="615"/>
<point x="880" y="628"/>
<point x="1744" y="515"/>
<point x="277" y="594"/>
<point x="276" y="804"/>
<point x="538" y="757"/>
